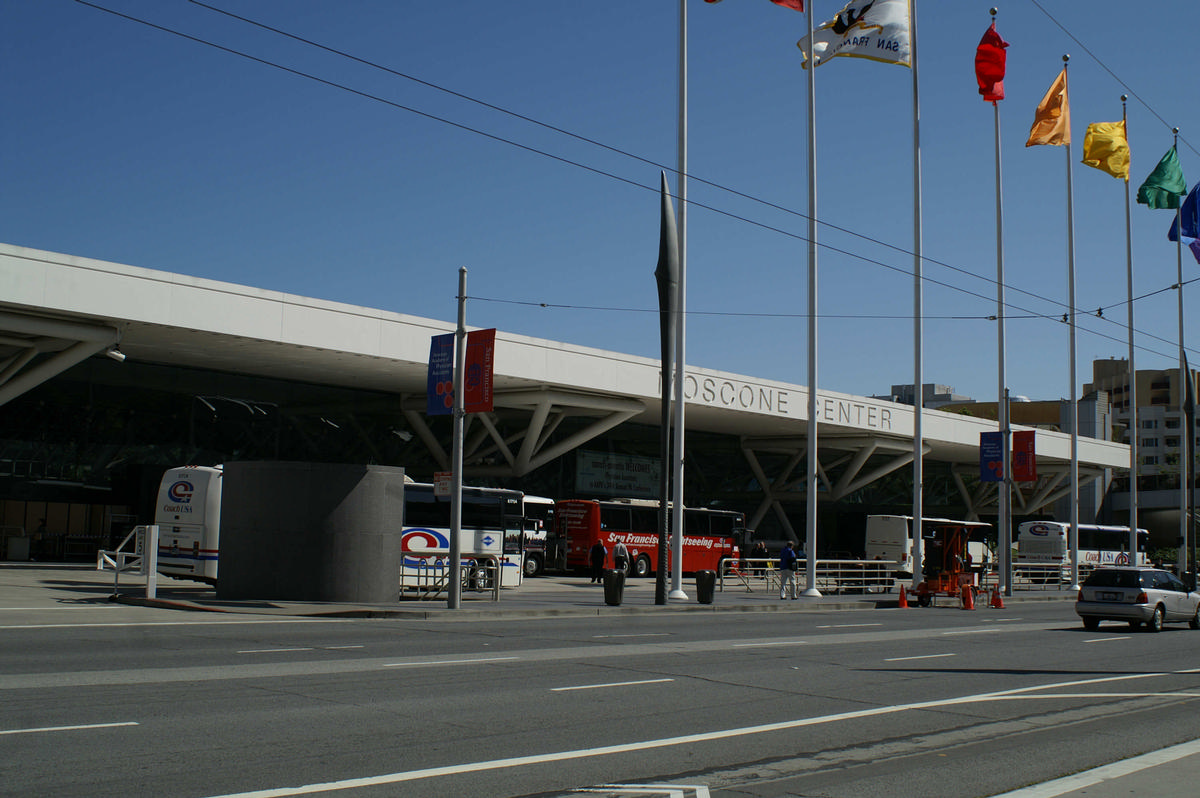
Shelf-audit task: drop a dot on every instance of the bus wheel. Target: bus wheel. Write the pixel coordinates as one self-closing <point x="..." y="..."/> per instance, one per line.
<point x="533" y="566"/>
<point x="641" y="566"/>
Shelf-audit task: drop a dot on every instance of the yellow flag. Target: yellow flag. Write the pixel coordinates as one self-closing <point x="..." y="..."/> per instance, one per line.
<point x="1106" y="148"/>
<point x="1052" y="120"/>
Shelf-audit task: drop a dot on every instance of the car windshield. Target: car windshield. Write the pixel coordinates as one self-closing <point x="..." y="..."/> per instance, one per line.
<point x="1111" y="577"/>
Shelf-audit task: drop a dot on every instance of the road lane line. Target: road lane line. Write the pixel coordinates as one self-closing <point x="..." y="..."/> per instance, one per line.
<point x="446" y="662"/>
<point x="610" y="684"/>
<point x="688" y="740"/>
<point x="647" y="634"/>
<point x="973" y="632"/>
<point x="1106" y="639"/>
<point x="174" y="623"/>
<point x="1089" y="778"/>
<point x="274" y="650"/>
<point x="847" y="625"/>
<point x="778" y="643"/>
<point x="85" y="727"/>
<point x="923" y="656"/>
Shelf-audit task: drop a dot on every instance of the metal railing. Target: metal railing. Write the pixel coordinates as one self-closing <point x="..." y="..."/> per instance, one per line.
<point x="479" y="573"/>
<point x="142" y="558"/>
<point x="832" y="577"/>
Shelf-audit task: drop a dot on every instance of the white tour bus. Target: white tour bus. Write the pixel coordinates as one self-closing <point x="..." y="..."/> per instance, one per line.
<point x="188" y="514"/>
<point x="1045" y="543"/>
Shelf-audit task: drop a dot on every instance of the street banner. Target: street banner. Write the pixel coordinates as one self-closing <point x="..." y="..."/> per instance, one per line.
<point x="439" y="389"/>
<point x="991" y="457"/>
<point x="1024" y="461"/>
<point x="477" y="379"/>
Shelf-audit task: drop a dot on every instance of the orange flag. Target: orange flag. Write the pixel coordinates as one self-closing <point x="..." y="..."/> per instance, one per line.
<point x="1052" y="120"/>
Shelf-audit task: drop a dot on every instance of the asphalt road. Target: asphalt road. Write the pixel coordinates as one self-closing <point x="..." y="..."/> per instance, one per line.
<point x="100" y="699"/>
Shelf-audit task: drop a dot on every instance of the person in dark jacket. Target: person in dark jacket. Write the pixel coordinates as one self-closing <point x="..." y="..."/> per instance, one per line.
<point x="596" y="557"/>
<point x="788" y="563"/>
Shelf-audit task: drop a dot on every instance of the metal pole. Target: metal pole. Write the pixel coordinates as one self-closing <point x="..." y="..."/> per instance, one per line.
<point x="811" y="482"/>
<point x="1073" y="538"/>
<point x="918" y="509"/>
<point x="1132" y="393"/>
<point x="1004" y="537"/>
<point x="680" y="321"/>
<point x="454" y="589"/>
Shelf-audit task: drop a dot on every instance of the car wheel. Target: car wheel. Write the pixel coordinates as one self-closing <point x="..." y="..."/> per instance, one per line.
<point x="533" y="566"/>
<point x="641" y="566"/>
<point x="1091" y="624"/>
<point x="1156" y="621"/>
<point x="1194" y="623"/>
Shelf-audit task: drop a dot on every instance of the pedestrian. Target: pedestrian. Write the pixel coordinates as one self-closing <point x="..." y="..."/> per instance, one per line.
<point x="758" y="558"/>
<point x="620" y="557"/>
<point x="596" y="557"/>
<point x="39" y="546"/>
<point x="787" y="571"/>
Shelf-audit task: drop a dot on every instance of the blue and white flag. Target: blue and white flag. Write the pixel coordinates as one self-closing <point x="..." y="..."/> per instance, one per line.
<point x="874" y="29"/>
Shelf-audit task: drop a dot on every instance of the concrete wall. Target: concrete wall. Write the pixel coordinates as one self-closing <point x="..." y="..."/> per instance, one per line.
<point x="311" y="532"/>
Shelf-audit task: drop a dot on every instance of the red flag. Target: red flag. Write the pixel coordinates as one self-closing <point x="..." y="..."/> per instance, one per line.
<point x="477" y="377"/>
<point x="798" y="5"/>
<point x="989" y="65"/>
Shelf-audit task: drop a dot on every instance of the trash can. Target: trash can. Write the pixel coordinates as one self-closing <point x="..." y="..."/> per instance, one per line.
<point x="706" y="585"/>
<point x="614" y="587"/>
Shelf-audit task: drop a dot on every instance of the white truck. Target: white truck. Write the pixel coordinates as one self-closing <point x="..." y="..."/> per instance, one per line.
<point x="890" y="538"/>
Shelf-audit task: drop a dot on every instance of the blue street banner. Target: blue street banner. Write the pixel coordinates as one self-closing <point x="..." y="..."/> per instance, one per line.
<point x="991" y="457"/>
<point x="439" y="389"/>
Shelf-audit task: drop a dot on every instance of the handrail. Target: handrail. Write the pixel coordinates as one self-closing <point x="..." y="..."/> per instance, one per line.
<point x="833" y="576"/>
<point x="431" y="581"/>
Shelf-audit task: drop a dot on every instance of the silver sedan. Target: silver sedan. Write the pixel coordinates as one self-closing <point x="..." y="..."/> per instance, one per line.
<point x="1136" y="596"/>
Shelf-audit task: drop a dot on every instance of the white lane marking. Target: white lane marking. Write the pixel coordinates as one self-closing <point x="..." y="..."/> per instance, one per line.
<point x="339" y="648"/>
<point x="1088" y="778"/>
<point x="923" y="656"/>
<point x="647" y="634"/>
<point x="610" y="684"/>
<point x="1107" y="639"/>
<point x="779" y="643"/>
<point x="274" y="650"/>
<point x="973" y="632"/>
<point x="446" y="662"/>
<point x="665" y="790"/>
<point x="847" y="625"/>
<point x="67" y="728"/>
<point x="685" y="740"/>
<point x="174" y="623"/>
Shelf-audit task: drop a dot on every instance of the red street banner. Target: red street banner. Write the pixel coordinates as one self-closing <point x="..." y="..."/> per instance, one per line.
<point x="1024" y="461"/>
<point x="477" y="379"/>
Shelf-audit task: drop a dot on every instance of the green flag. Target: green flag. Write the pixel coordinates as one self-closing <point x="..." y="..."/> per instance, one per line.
<point x="1165" y="185"/>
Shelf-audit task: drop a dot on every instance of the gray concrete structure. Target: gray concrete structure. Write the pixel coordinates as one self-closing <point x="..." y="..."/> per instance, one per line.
<point x="310" y="532"/>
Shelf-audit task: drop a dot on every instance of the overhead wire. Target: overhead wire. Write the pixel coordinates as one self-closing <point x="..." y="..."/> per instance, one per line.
<point x="1027" y="313"/>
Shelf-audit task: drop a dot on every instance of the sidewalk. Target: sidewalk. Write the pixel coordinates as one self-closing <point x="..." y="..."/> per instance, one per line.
<point x="543" y="596"/>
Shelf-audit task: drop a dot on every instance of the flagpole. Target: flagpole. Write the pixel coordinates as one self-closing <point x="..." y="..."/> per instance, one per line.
<point x="1073" y="415"/>
<point x="1188" y="436"/>
<point x="810" y="547"/>
<point x="680" y="323"/>
<point x="1132" y="392"/>
<point x="1004" y="538"/>
<point x="918" y="509"/>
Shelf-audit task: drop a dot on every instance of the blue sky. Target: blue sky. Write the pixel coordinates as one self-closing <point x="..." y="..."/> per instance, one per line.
<point x="130" y="144"/>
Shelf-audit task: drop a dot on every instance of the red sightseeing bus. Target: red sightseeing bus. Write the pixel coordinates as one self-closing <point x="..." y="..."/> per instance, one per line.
<point x="708" y="535"/>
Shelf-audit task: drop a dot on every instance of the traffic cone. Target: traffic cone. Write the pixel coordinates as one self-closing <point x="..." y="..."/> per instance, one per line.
<point x="903" y="598"/>
<point x="997" y="601"/>
<point x="968" y="598"/>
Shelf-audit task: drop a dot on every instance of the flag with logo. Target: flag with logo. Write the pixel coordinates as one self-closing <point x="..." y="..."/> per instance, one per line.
<point x="878" y="30"/>
<point x="1105" y="147"/>
<point x="796" y="4"/>
<point x="990" y="60"/>
<point x="1189" y="215"/>
<point x="1165" y="185"/>
<point x="1052" y="119"/>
